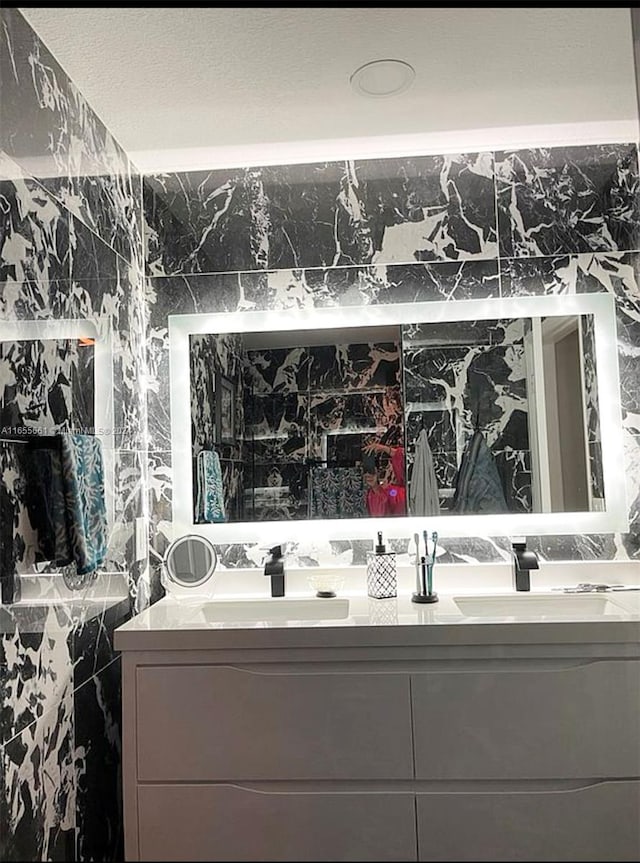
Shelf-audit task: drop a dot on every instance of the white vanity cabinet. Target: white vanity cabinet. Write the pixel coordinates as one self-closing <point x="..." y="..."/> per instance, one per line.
<point x="535" y="758"/>
<point x="355" y="750"/>
<point x="250" y="723"/>
<point x="565" y="719"/>
<point x="266" y="761"/>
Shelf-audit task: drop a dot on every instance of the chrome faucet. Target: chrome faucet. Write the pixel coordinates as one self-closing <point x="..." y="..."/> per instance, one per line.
<point x="523" y="562"/>
<point x="274" y="568"/>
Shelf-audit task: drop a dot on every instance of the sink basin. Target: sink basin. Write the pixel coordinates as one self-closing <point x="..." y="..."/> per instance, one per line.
<point x="539" y="606"/>
<point x="276" y="608"/>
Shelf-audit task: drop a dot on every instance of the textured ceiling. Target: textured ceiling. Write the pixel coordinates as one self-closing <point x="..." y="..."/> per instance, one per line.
<point x="183" y="78"/>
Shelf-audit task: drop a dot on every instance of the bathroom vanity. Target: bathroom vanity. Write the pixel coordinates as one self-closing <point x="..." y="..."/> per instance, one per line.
<point x="481" y="728"/>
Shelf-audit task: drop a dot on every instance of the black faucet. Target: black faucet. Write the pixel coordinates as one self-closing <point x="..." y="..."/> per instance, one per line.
<point x="274" y="567"/>
<point x="523" y="562"/>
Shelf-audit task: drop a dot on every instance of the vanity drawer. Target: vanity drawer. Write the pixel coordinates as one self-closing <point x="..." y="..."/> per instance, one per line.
<point x="219" y="722"/>
<point x="210" y="822"/>
<point x="597" y="822"/>
<point x="572" y="722"/>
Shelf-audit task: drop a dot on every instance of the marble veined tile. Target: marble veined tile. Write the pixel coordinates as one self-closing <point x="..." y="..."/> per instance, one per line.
<point x="92" y="260"/>
<point x="97" y="758"/>
<point x="129" y="492"/>
<point x="588" y="546"/>
<point x="428" y="208"/>
<point x="34" y="229"/>
<point x="281" y="370"/>
<point x="34" y="101"/>
<point x="38" y="666"/>
<point x="130" y="379"/>
<point x="354" y="367"/>
<point x="160" y="483"/>
<point x="431" y="208"/>
<point x="320" y="287"/>
<point x="242" y="219"/>
<point x="40" y="787"/>
<point x="52" y="132"/>
<point x="553" y="201"/>
<point x="616" y="272"/>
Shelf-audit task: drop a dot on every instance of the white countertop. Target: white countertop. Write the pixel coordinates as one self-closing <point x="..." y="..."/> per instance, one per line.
<point x="353" y="618"/>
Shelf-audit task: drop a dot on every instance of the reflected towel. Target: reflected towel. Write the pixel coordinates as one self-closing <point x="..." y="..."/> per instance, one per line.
<point x="210" y="502"/>
<point x="479" y="487"/>
<point x="336" y="492"/>
<point x="423" y="485"/>
<point x="84" y="500"/>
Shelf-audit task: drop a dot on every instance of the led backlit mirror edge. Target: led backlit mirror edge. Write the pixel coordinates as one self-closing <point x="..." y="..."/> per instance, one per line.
<point x="602" y="306"/>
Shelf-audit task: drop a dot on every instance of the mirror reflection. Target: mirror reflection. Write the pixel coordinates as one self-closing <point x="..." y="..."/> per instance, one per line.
<point x="486" y="416"/>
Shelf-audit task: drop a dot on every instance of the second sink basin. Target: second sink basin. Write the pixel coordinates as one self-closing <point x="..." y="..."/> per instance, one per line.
<point x="539" y="606"/>
<point x="276" y="608"/>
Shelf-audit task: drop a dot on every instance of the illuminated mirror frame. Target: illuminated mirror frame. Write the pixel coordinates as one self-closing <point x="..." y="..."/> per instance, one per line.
<point x="601" y="305"/>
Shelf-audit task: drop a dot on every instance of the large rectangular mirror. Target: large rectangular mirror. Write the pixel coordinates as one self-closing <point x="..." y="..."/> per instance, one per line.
<point x="499" y="414"/>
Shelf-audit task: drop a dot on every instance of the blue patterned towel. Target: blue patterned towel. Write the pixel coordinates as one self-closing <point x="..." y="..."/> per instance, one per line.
<point x="210" y="502"/>
<point x="85" y="507"/>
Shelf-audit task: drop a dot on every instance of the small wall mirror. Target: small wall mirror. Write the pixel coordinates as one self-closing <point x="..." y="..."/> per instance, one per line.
<point x="190" y="561"/>
<point x="73" y="361"/>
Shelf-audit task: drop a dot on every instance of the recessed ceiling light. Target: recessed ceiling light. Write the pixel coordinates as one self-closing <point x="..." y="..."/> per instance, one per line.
<point x="383" y="78"/>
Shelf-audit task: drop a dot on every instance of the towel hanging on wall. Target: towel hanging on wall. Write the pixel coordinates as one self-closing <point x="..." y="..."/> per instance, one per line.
<point x="85" y="507"/>
<point x="65" y="498"/>
<point x="210" y="500"/>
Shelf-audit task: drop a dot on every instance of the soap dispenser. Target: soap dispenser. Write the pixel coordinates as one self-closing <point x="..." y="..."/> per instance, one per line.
<point x="381" y="572"/>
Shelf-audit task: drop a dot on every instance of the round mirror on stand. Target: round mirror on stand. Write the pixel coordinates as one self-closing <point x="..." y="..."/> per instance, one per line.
<point x="190" y="561"/>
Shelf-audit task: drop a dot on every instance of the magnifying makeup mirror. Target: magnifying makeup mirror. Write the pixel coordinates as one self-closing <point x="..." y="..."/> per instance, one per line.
<point x="190" y="561"/>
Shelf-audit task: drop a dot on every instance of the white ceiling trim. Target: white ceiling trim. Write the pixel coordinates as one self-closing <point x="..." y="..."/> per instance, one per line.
<point x="160" y="161"/>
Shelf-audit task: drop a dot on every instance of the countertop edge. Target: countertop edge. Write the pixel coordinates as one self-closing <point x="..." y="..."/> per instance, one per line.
<point x="410" y="635"/>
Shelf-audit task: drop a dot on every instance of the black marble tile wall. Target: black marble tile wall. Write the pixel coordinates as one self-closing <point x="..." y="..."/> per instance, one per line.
<point x="556" y="200"/>
<point x="428" y="208"/>
<point x="59" y="719"/>
<point x="40" y="788"/>
<point x="50" y="130"/>
<point x="97" y="724"/>
<point x="397" y="230"/>
<point x="70" y="248"/>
